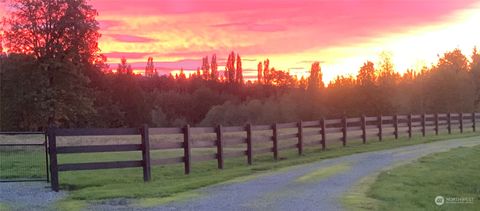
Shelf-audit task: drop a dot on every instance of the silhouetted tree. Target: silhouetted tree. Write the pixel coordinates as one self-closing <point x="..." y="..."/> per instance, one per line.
<point x="259" y="74"/>
<point x="124" y="67"/>
<point x="239" y="71"/>
<point x="214" y="67"/>
<point x="62" y="36"/>
<point x="150" y="68"/>
<point x="230" y="68"/>
<point x="475" y="74"/>
<point x="315" y="80"/>
<point x="205" y="68"/>
<point x="266" y="72"/>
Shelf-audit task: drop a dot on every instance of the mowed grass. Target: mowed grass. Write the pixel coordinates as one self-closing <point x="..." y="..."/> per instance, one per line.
<point x="414" y="186"/>
<point x="169" y="180"/>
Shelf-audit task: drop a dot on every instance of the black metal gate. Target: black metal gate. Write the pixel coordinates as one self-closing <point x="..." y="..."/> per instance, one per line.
<point x="23" y="157"/>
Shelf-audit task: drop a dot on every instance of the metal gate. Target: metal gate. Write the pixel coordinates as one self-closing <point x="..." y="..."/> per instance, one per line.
<point x="23" y="157"/>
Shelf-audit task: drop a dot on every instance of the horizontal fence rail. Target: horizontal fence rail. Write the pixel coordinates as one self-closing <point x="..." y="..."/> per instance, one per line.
<point x="249" y="140"/>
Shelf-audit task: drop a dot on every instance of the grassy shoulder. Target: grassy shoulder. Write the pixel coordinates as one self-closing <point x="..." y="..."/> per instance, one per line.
<point x="414" y="186"/>
<point x="169" y="181"/>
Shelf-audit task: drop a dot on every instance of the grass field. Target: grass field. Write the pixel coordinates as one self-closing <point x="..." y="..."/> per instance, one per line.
<point x="168" y="181"/>
<point x="452" y="174"/>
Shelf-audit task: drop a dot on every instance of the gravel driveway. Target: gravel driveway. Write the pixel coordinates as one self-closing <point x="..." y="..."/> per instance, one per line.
<point x="289" y="190"/>
<point x="28" y="196"/>
<point x="314" y="186"/>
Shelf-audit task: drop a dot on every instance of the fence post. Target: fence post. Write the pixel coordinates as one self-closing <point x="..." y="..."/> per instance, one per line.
<point x="46" y="156"/>
<point x="380" y="130"/>
<point x="460" y="117"/>
<point x="146" y="153"/>
<point x="324" y="136"/>
<point x="395" y="125"/>
<point x="300" y="137"/>
<point x="473" y="122"/>
<point x="186" y="148"/>
<point x="344" y="131"/>
<point x="249" y="144"/>
<point x="423" y="124"/>
<point x="220" y="146"/>
<point x="436" y="123"/>
<point x="364" y="129"/>
<point x="449" y="122"/>
<point x="409" y="125"/>
<point x="275" y="141"/>
<point x="52" y="142"/>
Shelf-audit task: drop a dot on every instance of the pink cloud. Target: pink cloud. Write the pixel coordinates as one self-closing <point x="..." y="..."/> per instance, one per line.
<point x="128" y="55"/>
<point x="130" y="38"/>
<point x="109" y="24"/>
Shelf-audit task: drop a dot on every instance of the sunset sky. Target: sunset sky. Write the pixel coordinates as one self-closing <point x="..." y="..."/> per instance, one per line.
<point x="341" y="34"/>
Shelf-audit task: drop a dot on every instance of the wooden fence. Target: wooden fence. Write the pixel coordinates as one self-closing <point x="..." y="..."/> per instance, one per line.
<point x="283" y="136"/>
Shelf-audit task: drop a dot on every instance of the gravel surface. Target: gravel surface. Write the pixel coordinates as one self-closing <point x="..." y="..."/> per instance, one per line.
<point x="281" y="190"/>
<point x="28" y="196"/>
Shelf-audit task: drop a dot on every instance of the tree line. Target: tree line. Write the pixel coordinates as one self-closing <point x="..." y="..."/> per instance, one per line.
<point x="53" y="73"/>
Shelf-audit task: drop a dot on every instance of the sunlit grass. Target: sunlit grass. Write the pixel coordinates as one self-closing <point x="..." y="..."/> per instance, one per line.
<point x="414" y="186"/>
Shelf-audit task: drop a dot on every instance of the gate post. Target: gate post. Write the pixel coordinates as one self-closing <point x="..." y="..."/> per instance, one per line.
<point x="46" y="156"/>
<point x="52" y="142"/>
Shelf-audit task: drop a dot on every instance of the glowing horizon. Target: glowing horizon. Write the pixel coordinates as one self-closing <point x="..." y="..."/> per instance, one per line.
<point x="342" y="34"/>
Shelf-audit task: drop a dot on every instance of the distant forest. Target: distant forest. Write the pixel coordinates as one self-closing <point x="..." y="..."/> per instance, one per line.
<point x="53" y="73"/>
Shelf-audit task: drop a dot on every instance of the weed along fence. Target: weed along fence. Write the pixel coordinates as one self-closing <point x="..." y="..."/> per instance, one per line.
<point x="245" y="141"/>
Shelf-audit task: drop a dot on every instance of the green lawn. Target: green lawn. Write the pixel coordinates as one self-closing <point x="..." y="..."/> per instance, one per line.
<point x="22" y="163"/>
<point x="169" y="181"/>
<point x="414" y="186"/>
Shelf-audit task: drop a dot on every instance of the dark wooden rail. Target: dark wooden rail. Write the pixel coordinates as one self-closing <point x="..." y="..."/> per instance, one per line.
<point x="241" y="140"/>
